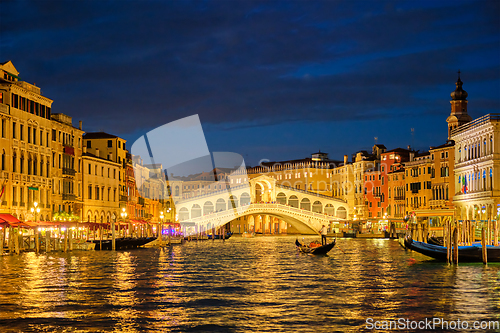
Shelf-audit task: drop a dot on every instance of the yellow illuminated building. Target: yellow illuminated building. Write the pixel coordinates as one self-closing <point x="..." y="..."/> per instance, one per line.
<point x="25" y="147"/>
<point x="100" y="188"/>
<point x="66" y="160"/>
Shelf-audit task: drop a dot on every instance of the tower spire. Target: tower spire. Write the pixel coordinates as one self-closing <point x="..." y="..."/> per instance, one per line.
<point x="458" y="115"/>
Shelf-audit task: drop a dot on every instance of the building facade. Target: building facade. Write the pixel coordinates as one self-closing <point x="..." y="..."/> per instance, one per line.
<point x="477" y="169"/>
<point x="25" y="147"/>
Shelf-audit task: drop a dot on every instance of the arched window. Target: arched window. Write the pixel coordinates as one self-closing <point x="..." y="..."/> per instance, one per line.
<point x="176" y="191"/>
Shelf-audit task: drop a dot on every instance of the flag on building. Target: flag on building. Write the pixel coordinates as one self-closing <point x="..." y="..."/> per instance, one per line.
<point x="464" y="184"/>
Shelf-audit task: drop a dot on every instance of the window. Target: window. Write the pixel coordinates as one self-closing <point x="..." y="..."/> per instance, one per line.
<point x="34" y="136"/>
<point x="90" y="191"/>
<point x="54" y="135"/>
<point x="89" y="144"/>
<point x="3" y="128"/>
<point x="3" y="160"/>
<point x="29" y="134"/>
<point x="110" y="143"/>
<point x="119" y="144"/>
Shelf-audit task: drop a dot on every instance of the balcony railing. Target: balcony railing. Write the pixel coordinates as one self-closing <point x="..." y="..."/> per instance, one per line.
<point x="68" y="171"/>
<point x="123" y="198"/>
<point x="68" y="196"/>
<point x="476" y="123"/>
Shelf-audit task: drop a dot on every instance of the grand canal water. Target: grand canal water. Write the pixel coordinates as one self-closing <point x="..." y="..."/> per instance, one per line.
<point x="242" y="285"/>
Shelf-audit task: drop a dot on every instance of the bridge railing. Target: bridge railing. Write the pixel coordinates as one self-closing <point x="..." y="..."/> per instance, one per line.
<point x="310" y="193"/>
<point x="224" y="190"/>
<point x="241" y="210"/>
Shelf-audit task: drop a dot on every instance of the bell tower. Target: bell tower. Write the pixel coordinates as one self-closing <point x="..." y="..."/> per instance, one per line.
<point x="459" y="115"/>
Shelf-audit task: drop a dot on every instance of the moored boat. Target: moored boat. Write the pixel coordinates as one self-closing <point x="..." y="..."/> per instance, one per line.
<point x="435" y="240"/>
<point x="121" y="243"/>
<point x="248" y="235"/>
<point x="226" y="236"/>
<point x="471" y="253"/>
<point x="321" y="250"/>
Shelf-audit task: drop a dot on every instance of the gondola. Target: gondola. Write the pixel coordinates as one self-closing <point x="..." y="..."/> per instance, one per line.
<point x="435" y="241"/>
<point x="121" y="243"/>
<point x="321" y="250"/>
<point x="472" y="253"/>
<point x="226" y="236"/>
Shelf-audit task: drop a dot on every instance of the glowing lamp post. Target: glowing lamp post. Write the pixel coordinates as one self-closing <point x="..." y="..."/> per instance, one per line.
<point x="35" y="209"/>
<point x="124" y="216"/>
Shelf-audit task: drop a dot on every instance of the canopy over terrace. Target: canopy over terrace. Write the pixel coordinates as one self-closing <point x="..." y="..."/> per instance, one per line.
<point x="7" y="220"/>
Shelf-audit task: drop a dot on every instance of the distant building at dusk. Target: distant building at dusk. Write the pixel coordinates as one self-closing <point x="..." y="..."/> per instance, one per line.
<point x="45" y="159"/>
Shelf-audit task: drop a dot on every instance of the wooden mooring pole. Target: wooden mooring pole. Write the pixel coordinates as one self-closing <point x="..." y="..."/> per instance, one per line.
<point x="2" y="240"/>
<point x="495" y="234"/>
<point x="483" y="246"/>
<point x="455" y="245"/>
<point x="16" y="242"/>
<point x="47" y="241"/>
<point x="37" y="241"/>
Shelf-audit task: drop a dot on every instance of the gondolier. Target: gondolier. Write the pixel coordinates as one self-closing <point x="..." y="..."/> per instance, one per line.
<point x="323" y="233"/>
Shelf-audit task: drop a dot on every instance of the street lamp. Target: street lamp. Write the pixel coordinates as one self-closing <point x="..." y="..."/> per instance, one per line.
<point x="124" y="216"/>
<point x="35" y="209"/>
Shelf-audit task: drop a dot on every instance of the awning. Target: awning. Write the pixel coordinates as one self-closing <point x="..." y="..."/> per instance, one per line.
<point x="138" y="222"/>
<point x="7" y="219"/>
<point x="14" y="75"/>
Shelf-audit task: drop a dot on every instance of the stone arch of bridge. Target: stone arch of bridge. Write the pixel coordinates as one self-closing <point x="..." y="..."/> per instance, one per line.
<point x="303" y="223"/>
<point x="316" y="205"/>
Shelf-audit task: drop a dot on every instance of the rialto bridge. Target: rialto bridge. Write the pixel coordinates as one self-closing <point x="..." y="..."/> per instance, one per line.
<point x="263" y="203"/>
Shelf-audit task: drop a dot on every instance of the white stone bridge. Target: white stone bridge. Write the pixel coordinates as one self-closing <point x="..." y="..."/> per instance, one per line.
<point x="262" y="197"/>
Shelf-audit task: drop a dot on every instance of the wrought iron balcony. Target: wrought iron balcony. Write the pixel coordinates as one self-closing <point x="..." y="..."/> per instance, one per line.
<point x="69" y="196"/>
<point x="69" y="171"/>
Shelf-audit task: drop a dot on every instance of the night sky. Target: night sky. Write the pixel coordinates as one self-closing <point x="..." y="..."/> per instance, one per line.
<point x="273" y="80"/>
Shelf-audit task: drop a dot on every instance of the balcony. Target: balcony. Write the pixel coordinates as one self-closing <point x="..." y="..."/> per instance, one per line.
<point x="68" y="171"/>
<point x="140" y="201"/>
<point x="437" y="203"/>
<point x="473" y="195"/>
<point x="68" y="197"/>
<point x="4" y="108"/>
<point x="400" y="198"/>
<point x="123" y="198"/>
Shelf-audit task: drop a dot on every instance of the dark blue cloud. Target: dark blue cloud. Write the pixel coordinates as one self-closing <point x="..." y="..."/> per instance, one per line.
<point x="128" y="66"/>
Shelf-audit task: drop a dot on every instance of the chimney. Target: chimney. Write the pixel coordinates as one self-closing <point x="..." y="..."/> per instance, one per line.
<point x="80" y="124"/>
<point x="345" y="159"/>
<point x="412" y="155"/>
<point x="84" y="149"/>
<point x="97" y="152"/>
